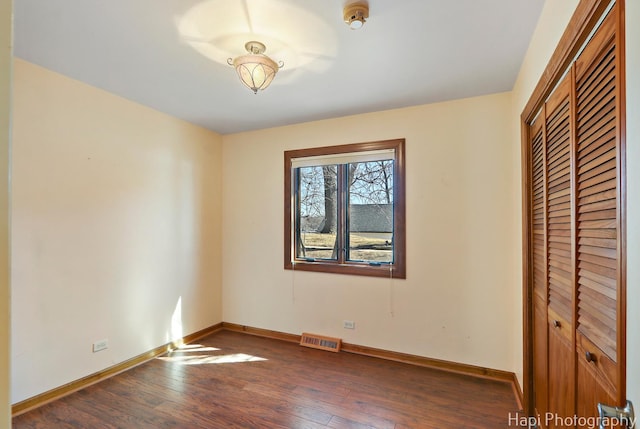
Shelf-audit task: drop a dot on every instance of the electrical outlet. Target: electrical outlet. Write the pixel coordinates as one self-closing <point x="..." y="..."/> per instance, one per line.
<point x="349" y="324"/>
<point x="100" y="345"/>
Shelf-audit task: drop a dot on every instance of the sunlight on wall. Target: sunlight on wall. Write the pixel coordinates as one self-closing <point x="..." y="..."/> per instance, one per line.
<point x="219" y="29"/>
<point x="176" y="323"/>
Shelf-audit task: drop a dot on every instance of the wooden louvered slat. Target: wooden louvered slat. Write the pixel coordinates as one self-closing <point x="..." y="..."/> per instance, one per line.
<point x="597" y="203"/>
<point x="598" y="251"/>
<point x="561" y="264"/>
<point x="598" y="242"/>
<point x="593" y="204"/>
<point x="563" y="215"/>
<point x="560" y="260"/>
<point x="562" y="193"/>
<point x="598" y="269"/>
<point x="564" y="258"/>
<point x="611" y="193"/>
<point x="561" y="231"/>
<point x="602" y="187"/>
<point x="560" y="203"/>
<point x="559" y="175"/>
<point x="558" y="186"/>
<point x="599" y="233"/>
<point x="599" y="260"/>
<point x="599" y="224"/>
<point x="560" y="207"/>
<point x="561" y="247"/>
<point x="562" y="219"/>
<point x="601" y="215"/>
<point x="598" y="179"/>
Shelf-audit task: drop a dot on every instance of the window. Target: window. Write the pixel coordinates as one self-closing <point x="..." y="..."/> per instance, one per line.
<point x="345" y="209"/>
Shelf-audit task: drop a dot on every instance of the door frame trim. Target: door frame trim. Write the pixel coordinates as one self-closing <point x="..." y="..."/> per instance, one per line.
<point x="583" y="20"/>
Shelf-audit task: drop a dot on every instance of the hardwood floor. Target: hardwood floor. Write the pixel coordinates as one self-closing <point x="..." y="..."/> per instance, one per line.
<point x="234" y="380"/>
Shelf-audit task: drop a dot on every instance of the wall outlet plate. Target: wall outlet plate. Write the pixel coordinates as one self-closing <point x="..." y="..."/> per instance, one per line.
<point x="349" y="324"/>
<point x="100" y="345"/>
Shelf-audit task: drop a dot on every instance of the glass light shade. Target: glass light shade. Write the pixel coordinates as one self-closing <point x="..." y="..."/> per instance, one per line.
<point x="356" y="24"/>
<point x="256" y="71"/>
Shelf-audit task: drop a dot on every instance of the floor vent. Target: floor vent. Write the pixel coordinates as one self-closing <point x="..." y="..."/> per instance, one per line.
<point x="320" y="342"/>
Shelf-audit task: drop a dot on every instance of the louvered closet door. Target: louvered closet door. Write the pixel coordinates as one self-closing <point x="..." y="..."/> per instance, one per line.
<point x="598" y="275"/>
<point x="576" y="254"/>
<point x="538" y="181"/>
<point x="557" y="112"/>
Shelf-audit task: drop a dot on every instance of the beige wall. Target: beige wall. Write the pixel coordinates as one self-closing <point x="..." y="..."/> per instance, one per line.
<point x="115" y="232"/>
<point x="457" y="302"/>
<point x="5" y="300"/>
<point x="633" y="187"/>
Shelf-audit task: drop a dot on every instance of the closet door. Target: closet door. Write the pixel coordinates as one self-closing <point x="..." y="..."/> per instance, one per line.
<point x="560" y="260"/>
<point x="576" y="258"/>
<point x="599" y="357"/>
<point x="539" y="241"/>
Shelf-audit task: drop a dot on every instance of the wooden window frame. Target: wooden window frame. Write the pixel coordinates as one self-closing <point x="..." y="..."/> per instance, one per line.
<point x="395" y="270"/>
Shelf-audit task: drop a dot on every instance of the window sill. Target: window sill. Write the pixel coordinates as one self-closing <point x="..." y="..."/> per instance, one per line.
<point x="383" y="270"/>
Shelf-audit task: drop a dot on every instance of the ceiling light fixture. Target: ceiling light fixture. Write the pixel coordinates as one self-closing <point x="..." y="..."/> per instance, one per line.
<point x="355" y="15"/>
<point x="255" y="69"/>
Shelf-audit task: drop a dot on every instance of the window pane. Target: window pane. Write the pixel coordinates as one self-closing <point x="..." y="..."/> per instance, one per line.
<point x="317" y="212"/>
<point x="370" y="222"/>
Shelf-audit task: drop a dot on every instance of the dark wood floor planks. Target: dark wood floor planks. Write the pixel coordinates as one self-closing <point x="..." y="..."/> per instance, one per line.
<point x="235" y="380"/>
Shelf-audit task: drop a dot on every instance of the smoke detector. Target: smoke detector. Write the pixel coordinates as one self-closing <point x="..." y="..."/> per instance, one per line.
<point x="355" y="15"/>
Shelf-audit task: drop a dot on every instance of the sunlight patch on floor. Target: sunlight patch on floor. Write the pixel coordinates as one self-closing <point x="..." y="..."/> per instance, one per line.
<point x="211" y="359"/>
<point x="194" y="348"/>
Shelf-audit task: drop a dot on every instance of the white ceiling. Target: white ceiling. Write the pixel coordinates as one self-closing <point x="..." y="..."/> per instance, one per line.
<point x="171" y="54"/>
